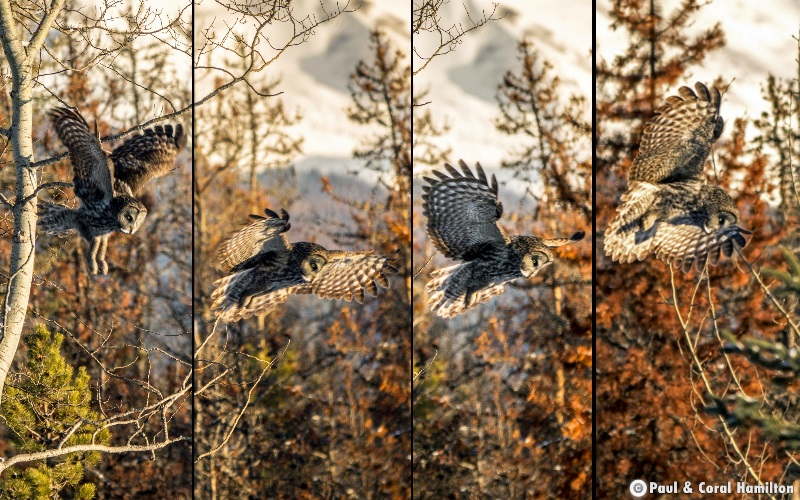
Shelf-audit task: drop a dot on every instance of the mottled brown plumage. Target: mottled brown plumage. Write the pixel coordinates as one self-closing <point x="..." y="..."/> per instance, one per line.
<point x="106" y="184"/>
<point x="462" y="210"/>
<point x="678" y="139"/>
<point x="265" y="269"/>
<point x="669" y="209"/>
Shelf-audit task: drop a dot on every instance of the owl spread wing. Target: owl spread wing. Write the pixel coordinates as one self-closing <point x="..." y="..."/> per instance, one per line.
<point x="264" y="235"/>
<point x="639" y="197"/>
<point x="347" y="275"/>
<point x="231" y="312"/>
<point x="681" y="241"/>
<point x="92" y="177"/>
<point x="687" y="245"/>
<point x="462" y="212"/>
<point x="678" y="139"/>
<point x="147" y="156"/>
<point x="235" y="298"/>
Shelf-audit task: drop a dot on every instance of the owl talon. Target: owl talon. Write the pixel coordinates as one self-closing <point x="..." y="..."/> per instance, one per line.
<point x="92" y="264"/>
<point x="647" y="222"/>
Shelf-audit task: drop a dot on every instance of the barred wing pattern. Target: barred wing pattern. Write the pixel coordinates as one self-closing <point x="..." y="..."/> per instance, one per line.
<point x="680" y="242"/>
<point x="266" y="269"/>
<point x="92" y="174"/>
<point x="263" y="235"/>
<point x="147" y="156"/>
<point x="678" y="139"/>
<point x="667" y="177"/>
<point x="462" y="211"/>
<point x="687" y="246"/>
<point x="447" y="303"/>
<point x="347" y="275"/>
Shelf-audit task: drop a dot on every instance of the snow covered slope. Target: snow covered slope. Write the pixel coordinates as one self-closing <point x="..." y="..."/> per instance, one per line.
<point x="314" y="74"/>
<point x="759" y="42"/>
<point x="463" y="83"/>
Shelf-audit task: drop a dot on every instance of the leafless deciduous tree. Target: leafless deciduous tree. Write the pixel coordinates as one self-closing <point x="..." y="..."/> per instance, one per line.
<point x="435" y="36"/>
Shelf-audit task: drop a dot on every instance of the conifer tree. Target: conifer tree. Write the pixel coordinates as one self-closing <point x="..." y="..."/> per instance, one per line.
<point x="554" y="137"/>
<point x="381" y="93"/>
<point x="484" y="398"/>
<point x="43" y="408"/>
<point x="658" y="55"/>
<point x="780" y="134"/>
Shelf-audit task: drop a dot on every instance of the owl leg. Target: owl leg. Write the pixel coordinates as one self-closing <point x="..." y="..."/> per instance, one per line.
<point x="101" y="254"/>
<point x="91" y="257"/>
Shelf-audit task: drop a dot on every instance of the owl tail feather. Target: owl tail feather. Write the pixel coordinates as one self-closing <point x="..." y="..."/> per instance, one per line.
<point x="229" y="305"/>
<point x="57" y="219"/>
<point x="447" y="299"/>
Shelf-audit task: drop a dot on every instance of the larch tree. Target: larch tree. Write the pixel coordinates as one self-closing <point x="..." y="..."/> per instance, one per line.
<point x="485" y="401"/>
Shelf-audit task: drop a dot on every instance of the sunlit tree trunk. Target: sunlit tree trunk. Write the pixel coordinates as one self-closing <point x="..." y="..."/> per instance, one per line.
<point x="20" y="59"/>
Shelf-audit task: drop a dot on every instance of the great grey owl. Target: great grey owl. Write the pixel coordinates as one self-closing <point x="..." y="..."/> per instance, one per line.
<point x="462" y="212"/>
<point x="106" y="184"/>
<point x="669" y="209"/>
<point x="265" y="269"/>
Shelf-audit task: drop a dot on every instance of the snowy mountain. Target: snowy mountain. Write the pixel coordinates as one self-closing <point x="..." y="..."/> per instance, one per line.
<point x="314" y="74"/>
<point x="758" y="42"/>
<point x="463" y="83"/>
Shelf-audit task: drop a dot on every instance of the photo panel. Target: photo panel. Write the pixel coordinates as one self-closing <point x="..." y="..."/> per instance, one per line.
<point x="95" y="250"/>
<point x="696" y="169"/>
<point x="302" y="250"/>
<point x="502" y="232"/>
<point x="354" y="249"/>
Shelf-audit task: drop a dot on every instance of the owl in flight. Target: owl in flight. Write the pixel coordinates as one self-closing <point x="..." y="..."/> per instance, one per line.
<point x="264" y="269"/>
<point x="107" y="184"/>
<point x="462" y="212"/>
<point x="669" y="209"/>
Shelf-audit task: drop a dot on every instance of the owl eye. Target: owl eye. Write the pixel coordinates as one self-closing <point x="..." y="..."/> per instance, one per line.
<point x="535" y="261"/>
<point x="313" y="266"/>
<point x="721" y="220"/>
<point x="129" y="217"/>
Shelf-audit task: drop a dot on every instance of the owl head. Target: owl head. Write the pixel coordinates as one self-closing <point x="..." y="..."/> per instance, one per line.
<point x="536" y="253"/>
<point x="130" y="214"/>
<point x="719" y="210"/>
<point x="312" y="258"/>
<point x="535" y="261"/>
